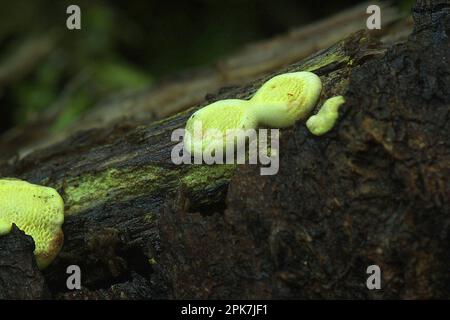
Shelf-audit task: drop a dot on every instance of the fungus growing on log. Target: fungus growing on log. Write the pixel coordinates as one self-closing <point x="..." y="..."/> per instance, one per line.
<point x="36" y="210"/>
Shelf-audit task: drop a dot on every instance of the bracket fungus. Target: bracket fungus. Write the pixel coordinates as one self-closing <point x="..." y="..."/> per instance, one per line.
<point x="38" y="211"/>
<point x="212" y="127"/>
<point x="278" y="103"/>
<point x="286" y="98"/>
<point x="325" y="119"/>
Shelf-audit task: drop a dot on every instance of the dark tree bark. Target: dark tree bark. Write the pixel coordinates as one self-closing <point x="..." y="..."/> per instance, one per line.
<point x="374" y="190"/>
<point x="19" y="274"/>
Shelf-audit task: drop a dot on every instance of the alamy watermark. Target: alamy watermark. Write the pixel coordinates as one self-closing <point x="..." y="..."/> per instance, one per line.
<point x="73" y="281"/>
<point x="73" y="21"/>
<point x="374" y="280"/>
<point x="237" y="147"/>
<point x="374" y="20"/>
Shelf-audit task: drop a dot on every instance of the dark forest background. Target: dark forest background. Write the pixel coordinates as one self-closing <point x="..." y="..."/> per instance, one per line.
<point x="125" y="45"/>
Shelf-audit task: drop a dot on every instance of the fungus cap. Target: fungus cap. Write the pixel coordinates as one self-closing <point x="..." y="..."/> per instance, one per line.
<point x="325" y="119"/>
<point x="292" y="95"/>
<point x="216" y="124"/>
<point x="36" y="210"/>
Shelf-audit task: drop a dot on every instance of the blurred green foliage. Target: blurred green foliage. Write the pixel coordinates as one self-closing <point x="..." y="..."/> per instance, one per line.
<point x="126" y="45"/>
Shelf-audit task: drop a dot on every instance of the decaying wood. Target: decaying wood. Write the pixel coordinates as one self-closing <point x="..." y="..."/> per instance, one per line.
<point x="20" y="277"/>
<point x="374" y="190"/>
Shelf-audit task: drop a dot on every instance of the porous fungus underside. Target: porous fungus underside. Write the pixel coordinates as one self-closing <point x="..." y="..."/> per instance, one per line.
<point x="38" y="211"/>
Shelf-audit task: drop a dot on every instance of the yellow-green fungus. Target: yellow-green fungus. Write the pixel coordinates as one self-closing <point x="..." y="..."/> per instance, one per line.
<point x="325" y="119"/>
<point x="36" y="210"/>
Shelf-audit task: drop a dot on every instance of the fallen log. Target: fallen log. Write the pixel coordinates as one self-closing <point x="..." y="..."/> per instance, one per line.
<point x="374" y="190"/>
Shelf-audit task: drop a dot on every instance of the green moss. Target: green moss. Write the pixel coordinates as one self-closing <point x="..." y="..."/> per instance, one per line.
<point x="326" y="60"/>
<point x="202" y="175"/>
<point x="150" y="217"/>
<point x="88" y="190"/>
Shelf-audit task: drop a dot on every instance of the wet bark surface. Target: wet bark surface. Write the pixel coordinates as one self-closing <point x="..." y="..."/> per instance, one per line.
<point x="374" y="190"/>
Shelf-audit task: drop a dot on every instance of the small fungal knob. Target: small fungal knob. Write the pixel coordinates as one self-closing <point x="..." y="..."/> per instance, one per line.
<point x="325" y="119"/>
<point x="36" y="210"/>
<point x="286" y="98"/>
<point x="211" y="127"/>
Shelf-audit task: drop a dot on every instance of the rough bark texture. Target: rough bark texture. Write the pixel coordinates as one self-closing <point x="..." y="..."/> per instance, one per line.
<point x="20" y="277"/>
<point x="374" y="190"/>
